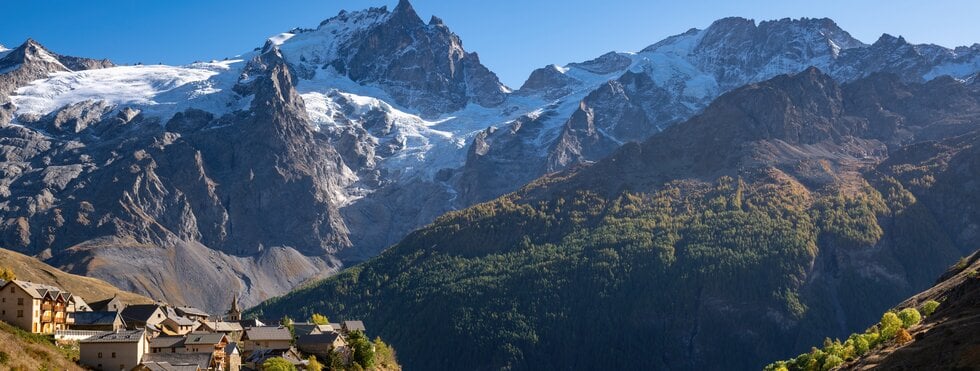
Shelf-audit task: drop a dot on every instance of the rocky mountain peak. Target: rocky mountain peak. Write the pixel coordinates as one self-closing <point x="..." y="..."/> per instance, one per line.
<point x="31" y="61"/>
<point x="887" y="40"/>
<point x="800" y="38"/>
<point x="32" y="52"/>
<point x="423" y="67"/>
<point x="404" y="13"/>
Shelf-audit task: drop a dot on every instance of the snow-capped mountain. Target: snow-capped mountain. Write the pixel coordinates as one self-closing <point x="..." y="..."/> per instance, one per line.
<point x="326" y="145"/>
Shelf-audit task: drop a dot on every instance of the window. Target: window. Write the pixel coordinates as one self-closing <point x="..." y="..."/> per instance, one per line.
<point x="20" y="301"/>
<point x="20" y="313"/>
<point x="100" y="356"/>
<point x="11" y="290"/>
<point x="173" y="350"/>
<point x="113" y="354"/>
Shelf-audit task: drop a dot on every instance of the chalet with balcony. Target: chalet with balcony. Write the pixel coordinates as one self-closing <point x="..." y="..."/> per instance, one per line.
<point x="37" y="308"/>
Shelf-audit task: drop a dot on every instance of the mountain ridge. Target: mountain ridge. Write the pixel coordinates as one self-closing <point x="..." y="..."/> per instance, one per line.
<point x="161" y="163"/>
<point x="721" y="255"/>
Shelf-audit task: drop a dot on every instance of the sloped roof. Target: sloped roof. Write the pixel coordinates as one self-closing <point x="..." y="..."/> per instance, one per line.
<point x="167" y="342"/>
<point x="166" y="366"/>
<point x="182" y="321"/>
<point x="231" y="348"/>
<point x="95" y="318"/>
<point x="103" y="304"/>
<point x="139" y="312"/>
<point x="191" y="311"/>
<point x="305" y="328"/>
<point x="327" y="338"/>
<point x="80" y="305"/>
<point x="199" y="338"/>
<point x="116" y="337"/>
<point x="259" y="355"/>
<point x="202" y="360"/>
<point x="41" y="291"/>
<point x="268" y="333"/>
<point x="221" y="326"/>
<point x="354" y="326"/>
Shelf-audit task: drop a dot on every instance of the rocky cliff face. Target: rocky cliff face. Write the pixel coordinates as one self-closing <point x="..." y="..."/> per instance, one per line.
<point x="327" y="145"/>
<point x="421" y="66"/>
<point x="186" y="201"/>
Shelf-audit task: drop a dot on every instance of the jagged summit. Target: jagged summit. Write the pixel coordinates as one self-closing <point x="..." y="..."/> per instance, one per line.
<point x="422" y="67"/>
<point x="31" y="61"/>
<point x="405" y="12"/>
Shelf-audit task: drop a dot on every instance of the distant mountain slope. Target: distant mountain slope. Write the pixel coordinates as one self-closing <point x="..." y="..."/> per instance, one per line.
<point x="373" y="124"/>
<point x="936" y="331"/>
<point x="787" y="211"/>
<point x="947" y="339"/>
<point x="90" y="289"/>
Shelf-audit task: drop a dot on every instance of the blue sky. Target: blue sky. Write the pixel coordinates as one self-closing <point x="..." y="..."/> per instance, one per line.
<point x="512" y="36"/>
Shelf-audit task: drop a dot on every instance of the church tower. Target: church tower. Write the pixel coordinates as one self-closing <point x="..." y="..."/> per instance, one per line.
<point x="234" y="314"/>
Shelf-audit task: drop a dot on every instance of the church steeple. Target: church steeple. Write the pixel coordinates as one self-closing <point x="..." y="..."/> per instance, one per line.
<point x="234" y="314"/>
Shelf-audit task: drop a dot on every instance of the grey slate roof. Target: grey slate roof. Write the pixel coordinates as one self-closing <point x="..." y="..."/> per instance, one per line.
<point x="103" y="305"/>
<point x="139" y="312"/>
<point x="268" y="333"/>
<point x="231" y="348"/>
<point x="220" y="326"/>
<point x="39" y="291"/>
<point x="182" y="321"/>
<point x="116" y="337"/>
<point x="191" y="311"/>
<point x="327" y="338"/>
<point x="95" y="318"/>
<point x="167" y="342"/>
<point x="354" y="326"/>
<point x="165" y="366"/>
<point x="198" y="338"/>
<point x="304" y="328"/>
<point x="202" y="360"/>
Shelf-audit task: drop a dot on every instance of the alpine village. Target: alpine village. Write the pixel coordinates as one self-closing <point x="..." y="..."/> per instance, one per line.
<point x="114" y="333"/>
<point x="316" y="185"/>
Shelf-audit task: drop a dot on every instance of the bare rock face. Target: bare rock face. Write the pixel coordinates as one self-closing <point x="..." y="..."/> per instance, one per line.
<point x="548" y="82"/>
<point x="422" y="66"/>
<point x="165" y="191"/>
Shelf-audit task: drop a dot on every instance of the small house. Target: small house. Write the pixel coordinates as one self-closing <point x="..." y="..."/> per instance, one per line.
<point x="98" y="321"/>
<point x="119" y="350"/>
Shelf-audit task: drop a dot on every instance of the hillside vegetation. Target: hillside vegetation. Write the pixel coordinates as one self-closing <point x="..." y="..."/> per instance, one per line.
<point x="23" y="351"/>
<point x="935" y="329"/>
<point x="787" y="212"/>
